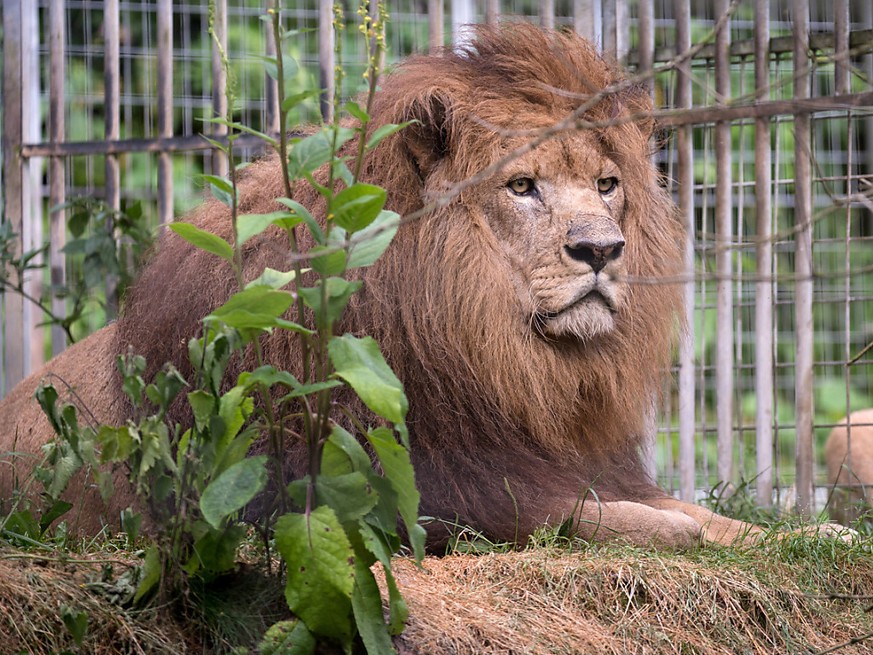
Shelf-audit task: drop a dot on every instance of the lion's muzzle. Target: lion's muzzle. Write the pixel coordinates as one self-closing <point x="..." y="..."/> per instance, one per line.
<point x="596" y="243"/>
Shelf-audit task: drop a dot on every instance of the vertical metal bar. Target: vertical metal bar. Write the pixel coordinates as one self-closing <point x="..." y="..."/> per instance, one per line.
<point x="803" y="264"/>
<point x="165" y="108"/>
<point x="436" y="32"/>
<point x="219" y="84"/>
<point x="492" y="12"/>
<point x="31" y="183"/>
<point x="271" y="86"/>
<point x="724" y="347"/>
<point x="685" y="190"/>
<point x="326" y="58"/>
<point x="57" y="172"/>
<point x="647" y="43"/>
<point x="547" y="14"/>
<point x="112" y="120"/>
<point x="463" y="15"/>
<point x="584" y="19"/>
<point x="764" y="267"/>
<point x="13" y="304"/>
<point x="610" y="28"/>
<point x="841" y="46"/>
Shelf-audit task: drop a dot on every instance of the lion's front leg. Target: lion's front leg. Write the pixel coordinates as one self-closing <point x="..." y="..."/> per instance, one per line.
<point x="637" y="524"/>
<point x="714" y="528"/>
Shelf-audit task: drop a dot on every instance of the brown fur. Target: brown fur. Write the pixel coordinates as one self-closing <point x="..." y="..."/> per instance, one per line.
<point x="853" y="469"/>
<point x="511" y="426"/>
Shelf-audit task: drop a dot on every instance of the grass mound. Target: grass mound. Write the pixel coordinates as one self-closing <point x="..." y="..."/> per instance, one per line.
<point x="803" y="595"/>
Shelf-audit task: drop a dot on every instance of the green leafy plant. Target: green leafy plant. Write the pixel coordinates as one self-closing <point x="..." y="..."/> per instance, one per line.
<point x="333" y="524"/>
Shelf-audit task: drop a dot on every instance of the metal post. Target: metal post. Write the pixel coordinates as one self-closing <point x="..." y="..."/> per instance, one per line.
<point x="724" y="364"/>
<point x="584" y="19"/>
<point x="326" y="58"/>
<point x="764" y="267"/>
<point x="547" y="14"/>
<point x="685" y="189"/>
<point x="220" y="164"/>
<point x="463" y="15"/>
<point x="803" y="265"/>
<point x="57" y="172"/>
<point x="165" y="108"/>
<point x="436" y="33"/>
<point x="271" y="86"/>
<point x="112" y="120"/>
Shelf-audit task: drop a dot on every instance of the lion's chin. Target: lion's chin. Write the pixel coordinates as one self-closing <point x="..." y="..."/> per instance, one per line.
<point x="586" y="319"/>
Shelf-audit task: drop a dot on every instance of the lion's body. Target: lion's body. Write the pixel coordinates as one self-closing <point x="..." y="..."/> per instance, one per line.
<point x="849" y="460"/>
<point x="530" y="362"/>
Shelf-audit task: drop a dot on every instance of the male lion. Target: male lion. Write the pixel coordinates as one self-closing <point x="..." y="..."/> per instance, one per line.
<point x="527" y="315"/>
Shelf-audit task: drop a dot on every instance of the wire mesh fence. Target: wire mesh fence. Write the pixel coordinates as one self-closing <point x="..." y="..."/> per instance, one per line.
<point x="767" y="146"/>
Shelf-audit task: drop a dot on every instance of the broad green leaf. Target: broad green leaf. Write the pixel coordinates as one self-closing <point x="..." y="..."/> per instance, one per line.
<point x="273" y="279"/>
<point x="289" y="67"/>
<point x="203" y="405"/>
<point x="287" y="638"/>
<point x="333" y="262"/>
<point x="355" y="110"/>
<point x="349" y="495"/>
<point x="300" y="213"/>
<point x="215" y="551"/>
<point x="268" y="376"/>
<point x="293" y="100"/>
<point x="341" y="445"/>
<point x="359" y="362"/>
<point x="233" y="489"/>
<point x="338" y="290"/>
<point x="253" y="308"/>
<point x="203" y="240"/>
<point x="386" y="131"/>
<point x="315" y="387"/>
<point x="221" y="188"/>
<point x="312" y="152"/>
<point x="397" y="468"/>
<point x="321" y="573"/>
<point x="367" y="607"/>
<point x="151" y="573"/>
<point x="250" y="225"/>
<point x="76" y="622"/>
<point x="369" y="244"/>
<point x="49" y="516"/>
<point x="355" y="207"/>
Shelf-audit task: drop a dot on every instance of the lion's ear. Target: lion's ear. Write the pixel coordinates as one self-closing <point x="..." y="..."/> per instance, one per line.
<point x="428" y="138"/>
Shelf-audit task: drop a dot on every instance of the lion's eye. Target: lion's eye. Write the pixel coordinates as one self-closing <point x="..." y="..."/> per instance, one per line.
<point x="606" y="185"/>
<point x="522" y="186"/>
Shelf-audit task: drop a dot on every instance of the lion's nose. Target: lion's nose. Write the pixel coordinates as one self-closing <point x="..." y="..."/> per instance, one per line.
<point x="596" y="252"/>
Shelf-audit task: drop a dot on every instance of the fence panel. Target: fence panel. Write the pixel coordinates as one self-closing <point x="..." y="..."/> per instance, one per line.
<point x="768" y="152"/>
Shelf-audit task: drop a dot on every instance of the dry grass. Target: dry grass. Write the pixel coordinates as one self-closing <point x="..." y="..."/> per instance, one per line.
<point x="620" y="601"/>
<point x="778" y="598"/>
<point x="33" y="591"/>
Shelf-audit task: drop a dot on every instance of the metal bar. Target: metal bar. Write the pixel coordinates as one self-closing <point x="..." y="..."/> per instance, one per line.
<point x="685" y="191"/>
<point x="13" y="304"/>
<point x="583" y="19"/>
<point x="463" y="15"/>
<point x="219" y="84"/>
<point x="31" y="184"/>
<point x="271" y="86"/>
<point x="492" y="12"/>
<point x="724" y="347"/>
<point x="165" y="108"/>
<point x="112" y="121"/>
<point x="57" y="172"/>
<point x="326" y="58"/>
<point x="842" y="66"/>
<point x="764" y="268"/>
<point x="547" y="14"/>
<point x="665" y="118"/>
<point x="804" y="461"/>
<point x="646" y="50"/>
<point x="435" y="18"/>
<point x="610" y="28"/>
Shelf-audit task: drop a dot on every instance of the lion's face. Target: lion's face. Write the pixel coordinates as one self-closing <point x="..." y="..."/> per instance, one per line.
<point x="557" y="214"/>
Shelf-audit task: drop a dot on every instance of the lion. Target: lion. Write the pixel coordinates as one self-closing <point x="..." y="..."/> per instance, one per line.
<point x="527" y="308"/>
<point x="849" y="460"/>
